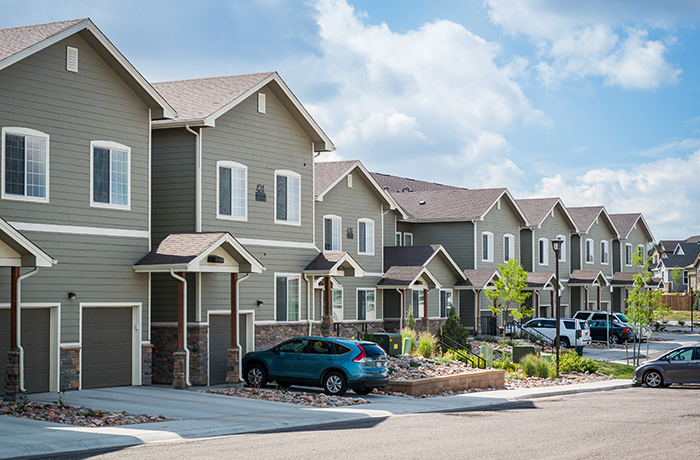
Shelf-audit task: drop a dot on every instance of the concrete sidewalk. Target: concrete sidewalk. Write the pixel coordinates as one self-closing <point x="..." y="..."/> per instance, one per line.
<point x="201" y="415"/>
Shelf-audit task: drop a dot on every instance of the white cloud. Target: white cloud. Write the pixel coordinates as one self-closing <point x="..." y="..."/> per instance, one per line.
<point x="579" y="39"/>
<point x="665" y="191"/>
<point x="408" y="99"/>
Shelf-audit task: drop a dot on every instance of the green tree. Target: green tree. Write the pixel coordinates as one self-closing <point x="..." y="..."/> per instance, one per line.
<point x="509" y="292"/>
<point x="644" y="305"/>
<point x="676" y="276"/>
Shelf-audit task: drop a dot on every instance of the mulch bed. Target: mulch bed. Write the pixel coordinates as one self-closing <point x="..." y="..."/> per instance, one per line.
<point x="292" y="397"/>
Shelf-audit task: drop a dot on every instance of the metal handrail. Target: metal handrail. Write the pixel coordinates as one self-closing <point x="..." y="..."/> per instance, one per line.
<point x="480" y="362"/>
<point x="337" y="327"/>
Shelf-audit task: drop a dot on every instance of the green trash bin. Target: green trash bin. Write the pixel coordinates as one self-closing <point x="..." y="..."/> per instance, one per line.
<point x="390" y="342"/>
<point x="520" y="351"/>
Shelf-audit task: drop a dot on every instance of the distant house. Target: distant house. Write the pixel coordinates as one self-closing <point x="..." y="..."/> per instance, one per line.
<point x="682" y="259"/>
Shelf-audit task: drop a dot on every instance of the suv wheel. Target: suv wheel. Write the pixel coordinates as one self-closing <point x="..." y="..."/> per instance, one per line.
<point x="614" y="339"/>
<point x="564" y="342"/>
<point x="334" y="384"/>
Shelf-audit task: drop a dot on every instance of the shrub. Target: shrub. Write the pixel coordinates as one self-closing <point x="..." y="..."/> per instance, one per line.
<point x="535" y="366"/>
<point x="455" y="331"/>
<point x="681" y="322"/>
<point x="410" y="333"/>
<point x="455" y="357"/>
<point x="571" y="361"/>
<point x="427" y="343"/>
<point x="410" y="321"/>
<point x="489" y="338"/>
<point x="505" y="342"/>
<point x="369" y="337"/>
<point x="505" y="364"/>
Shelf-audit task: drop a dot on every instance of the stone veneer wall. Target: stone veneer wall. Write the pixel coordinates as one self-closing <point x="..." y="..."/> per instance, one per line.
<point x="70" y="368"/>
<point x="269" y="335"/>
<point x="349" y="332"/>
<point x="164" y="341"/>
<point x="11" y="373"/>
<point x="146" y="364"/>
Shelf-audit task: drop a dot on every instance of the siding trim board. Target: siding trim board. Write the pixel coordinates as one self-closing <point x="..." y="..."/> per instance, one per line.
<point x="79" y="230"/>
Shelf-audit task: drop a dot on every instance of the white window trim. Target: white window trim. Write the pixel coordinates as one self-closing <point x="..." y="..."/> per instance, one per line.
<point x="357" y="303"/>
<point x="341" y="315"/>
<point x="585" y="251"/>
<point x="288" y="173"/>
<point x="404" y="238"/>
<point x="543" y="260"/>
<point x="510" y="237"/>
<point x="489" y="249"/>
<point x="421" y="308"/>
<point x="274" y="302"/>
<point x="628" y="246"/>
<point x="117" y="146"/>
<point x="231" y="165"/>
<point x="339" y="219"/>
<point x="400" y="238"/>
<point x="562" y="252"/>
<point x="371" y="249"/>
<point x="25" y="132"/>
<point x="447" y="312"/>
<point x="604" y="255"/>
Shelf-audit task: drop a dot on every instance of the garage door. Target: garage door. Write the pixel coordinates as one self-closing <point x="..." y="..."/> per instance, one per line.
<point x="36" y="343"/>
<point x="107" y="347"/>
<point x="220" y="342"/>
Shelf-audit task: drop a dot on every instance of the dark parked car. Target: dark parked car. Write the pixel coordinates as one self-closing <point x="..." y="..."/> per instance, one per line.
<point x="681" y="365"/>
<point x="334" y="364"/>
<point x="619" y="333"/>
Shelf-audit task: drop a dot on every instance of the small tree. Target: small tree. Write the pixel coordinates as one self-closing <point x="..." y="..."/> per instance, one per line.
<point x="676" y="276"/>
<point x="644" y="305"/>
<point x="509" y="291"/>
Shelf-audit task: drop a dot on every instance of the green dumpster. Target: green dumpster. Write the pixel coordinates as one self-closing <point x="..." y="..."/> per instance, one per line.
<point x="520" y="351"/>
<point x="390" y="342"/>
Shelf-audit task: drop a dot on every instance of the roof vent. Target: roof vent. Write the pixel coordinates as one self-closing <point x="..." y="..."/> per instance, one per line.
<point x="71" y="59"/>
<point x="262" y="106"/>
<point x="421" y="202"/>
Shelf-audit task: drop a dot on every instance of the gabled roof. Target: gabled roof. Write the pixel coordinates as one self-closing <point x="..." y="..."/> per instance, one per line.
<point x="201" y="101"/>
<point x="19" y="43"/>
<point x="542" y="280"/>
<point x="328" y="174"/>
<point x="404" y="265"/>
<point x="625" y="223"/>
<point x="335" y="263"/>
<point x="693" y="239"/>
<point x="16" y="250"/>
<point x="687" y="258"/>
<point x="627" y="279"/>
<point x="453" y="205"/>
<point x="588" y="278"/>
<point x="190" y="252"/>
<point x="586" y="216"/>
<point x="478" y="279"/>
<point x="396" y="184"/>
<point x="536" y="210"/>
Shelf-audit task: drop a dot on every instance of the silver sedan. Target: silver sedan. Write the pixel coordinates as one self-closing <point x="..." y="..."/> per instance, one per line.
<point x="681" y="365"/>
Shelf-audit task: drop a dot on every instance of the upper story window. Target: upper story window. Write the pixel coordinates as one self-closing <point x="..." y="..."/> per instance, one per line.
<point x="287" y="197"/>
<point x="685" y="277"/>
<point x="408" y="239"/>
<point x="562" y="251"/>
<point x="628" y="254"/>
<point x="543" y="251"/>
<point x="365" y="239"/>
<point x="589" y="251"/>
<point x="287" y="297"/>
<point x="232" y="178"/>
<point x="25" y="163"/>
<point x="487" y="247"/>
<point x="604" y="252"/>
<point x="331" y="233"/>
<point x="508" y="247"/>
<point x="398" y="239"/>
<point x="111" y="171"/>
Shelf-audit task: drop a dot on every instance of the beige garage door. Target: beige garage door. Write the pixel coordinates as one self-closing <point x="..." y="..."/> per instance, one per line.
<point x="220" y="342"/>
<point x="36" y="343"/>
<point x="107" y="347"/>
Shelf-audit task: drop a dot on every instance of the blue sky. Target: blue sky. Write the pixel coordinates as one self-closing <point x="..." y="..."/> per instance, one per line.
<point x="597" y="102"/>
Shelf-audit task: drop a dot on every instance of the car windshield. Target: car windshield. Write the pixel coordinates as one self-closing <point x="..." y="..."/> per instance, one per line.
<point x="623" y="318"/>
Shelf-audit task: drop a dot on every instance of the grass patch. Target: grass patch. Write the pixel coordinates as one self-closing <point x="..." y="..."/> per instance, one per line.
<point x="619" y="371"/>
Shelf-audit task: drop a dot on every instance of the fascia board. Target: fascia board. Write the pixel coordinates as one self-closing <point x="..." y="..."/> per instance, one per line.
<point x="336" y="181"/>
<point x="42" y="259"/>
<point x="425" y="271"/>
<point x="193" y="123"/>
<point x="255" y="265"/>
<point x="161" y="268"/>
<point x="455" y="267"/>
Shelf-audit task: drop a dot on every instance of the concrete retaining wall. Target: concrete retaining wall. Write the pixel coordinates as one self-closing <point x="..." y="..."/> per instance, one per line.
<point x="489" y="378"/>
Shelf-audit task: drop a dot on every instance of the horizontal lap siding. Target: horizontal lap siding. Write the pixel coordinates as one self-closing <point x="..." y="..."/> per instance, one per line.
<point x="392" y="303"/>
<point x="499" y="222"/>
<point x="598" y="232"/>
<point x="447" y="278"/>
<point x="390" y="228"/>
<point x="350" y="286"/>
<point x="636" y="237"/>
<point x="549" y="229"/>
<point x="456" y="237"/>
<point x="75" y="109"/>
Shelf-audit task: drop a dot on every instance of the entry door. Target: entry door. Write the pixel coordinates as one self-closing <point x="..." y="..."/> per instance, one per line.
<point x="36" y="342"/>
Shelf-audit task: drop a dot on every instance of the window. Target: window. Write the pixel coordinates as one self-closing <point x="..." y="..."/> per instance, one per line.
<point x="603" y="252"/>
<point x="232" y="179"/>
<point x="398" y="239"/>
<point x="110" y="174"/>
<point x="589" y="251"/>
<point x="685" y="277"/>
<point x="562" y="251"/>
<point x="287" y="297"/>
<point x="408" y="239"/>
<point x="417" y="303"/>
<point x="628" y="254"/>
<point x="445" y="302"/>
<point x="544" y="251"/>
<point x="336" y="303"/>
<point x="331" y="233"/>
<point x="487" y="247"/>
<point x="25" y="162"/>
<point x="366" y="305"/>
<point x="365" y="242"/>
<point x="287" y="197"/>
<point x="641" y="252"/>
<point x="508" y="247"/>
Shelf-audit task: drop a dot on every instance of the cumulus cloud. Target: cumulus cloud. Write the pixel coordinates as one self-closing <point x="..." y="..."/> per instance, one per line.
<point x="593" y="39"/>
<point x="665" y="191"/>
<point x="401" y="101"/>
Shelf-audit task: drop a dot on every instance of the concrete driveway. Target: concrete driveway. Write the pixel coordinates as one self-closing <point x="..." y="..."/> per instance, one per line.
<point x="656" y="348"/>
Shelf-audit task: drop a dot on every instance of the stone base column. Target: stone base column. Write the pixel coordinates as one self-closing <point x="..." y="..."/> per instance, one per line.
<point x="179" y="377"/>
<point x="12" y="386"/>
<point x="423" y="324"/>
<point x="146" y="364"/>
<point x="233" y="365"/>
<point x="327" y="326"/>
<point x="70" y="368"/>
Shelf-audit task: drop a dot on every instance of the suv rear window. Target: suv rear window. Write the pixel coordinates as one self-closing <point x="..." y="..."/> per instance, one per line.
<point x="570" y="324"/>
<point x="372" y="349"/>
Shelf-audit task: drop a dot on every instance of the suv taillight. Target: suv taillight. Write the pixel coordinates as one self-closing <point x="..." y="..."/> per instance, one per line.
<point x="580" y="333"/>
<point x="626" y="331"/>
<point x="362" y="357"/>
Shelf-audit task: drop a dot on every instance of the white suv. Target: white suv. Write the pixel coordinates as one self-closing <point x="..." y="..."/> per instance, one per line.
<point x="572" y="332"/>
<point x="602" y="315"/>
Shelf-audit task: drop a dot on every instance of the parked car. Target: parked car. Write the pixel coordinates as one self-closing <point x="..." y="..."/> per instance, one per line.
<point x="334" y="364"/>
<point x="681" y="365"/>
<point x="610" y="330"/>
<point x="572" y="333"/>
<point x="591" y="315"/>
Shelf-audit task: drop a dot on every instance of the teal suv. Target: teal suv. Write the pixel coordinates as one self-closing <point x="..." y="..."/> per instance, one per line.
<point x="334" y="364"/>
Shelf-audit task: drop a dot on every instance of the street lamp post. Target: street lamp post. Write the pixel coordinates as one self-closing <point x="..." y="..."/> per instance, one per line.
<point x="556" y="245"/>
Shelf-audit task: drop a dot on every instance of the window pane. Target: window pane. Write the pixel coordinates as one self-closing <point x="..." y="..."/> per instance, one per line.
<point x="293" y="195"/>
<point x="416" y="301"/>
<point x="336" y="234"/>
<point x="14" y="164"/>
<point x="485" y="246"/>
<point x="293" y="299"/>
<point x="281" y="197"/>
<point x="361" y="305"/>
<point x="398" y="239"/>
<point x="369" y="237"/>
<point x="506" y="248"/>
<point x="370" y="305"/>
<point x="407" y="239"/>
<point x="225" y="191"/>
<point x="328" y="234"/>
<point x="120" y="177"/>
<point x="100" y="175"/>
<point x="337" y="304"/>
<point x="36" y="166"/>
<point x="281" y="300"/>
<point x="362" y="231"/>
<point x="238" y="188"/>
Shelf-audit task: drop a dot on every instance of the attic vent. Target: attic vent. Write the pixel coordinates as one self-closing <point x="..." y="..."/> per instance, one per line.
<point x="71" y="59"/>
<point x="421" y="202"/>
<point x="261" y="103"/>
<point x="349" y="180"/>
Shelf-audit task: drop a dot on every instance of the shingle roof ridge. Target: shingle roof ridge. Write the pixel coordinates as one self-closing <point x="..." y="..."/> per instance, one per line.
<point x="17" y="39"/>
<point x="221" y="77"/>
<point x="416" y="181"/>
<point x="72" y="21"/>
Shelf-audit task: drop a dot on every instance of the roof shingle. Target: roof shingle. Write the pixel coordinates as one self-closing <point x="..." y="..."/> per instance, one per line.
<point x="181" y="248"/>
<point x="325" y="173"/>
<point x="448" y="204"/>
<point x="17" y="39"/>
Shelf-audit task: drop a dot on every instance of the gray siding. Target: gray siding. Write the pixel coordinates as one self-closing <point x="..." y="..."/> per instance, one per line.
<point x="456" y="237"/>
<point x="526" y="237"/>
<point x="549" y="229"/>
<point x="446" y="277"/>
<point x="499" y="222"/>
<point x="575" y="252"/>
<point x="636" y="237"/>
<point x="598" y="232"/>
<point x="390" y="228"/>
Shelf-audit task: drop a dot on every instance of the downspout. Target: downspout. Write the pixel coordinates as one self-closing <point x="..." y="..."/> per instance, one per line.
<point x="238" y="338"/>
<point x="313" y="200"/>
<point x="184" y="307"/>
<point x="19" y="328"/>
<point x="476" y="245"/>
<point x="401" y="307"/>
<point x="309" y="297"/>
<point x="198" y="180"/>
